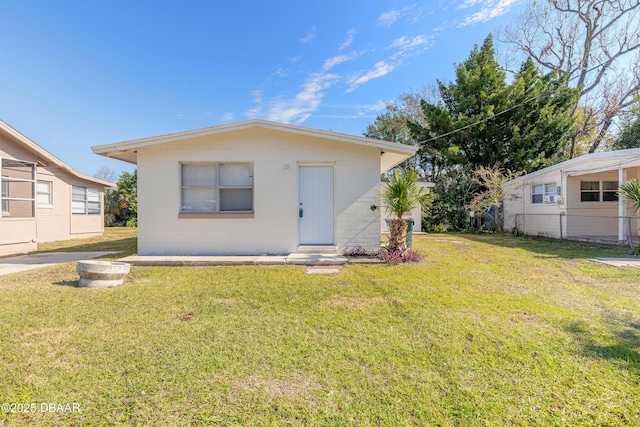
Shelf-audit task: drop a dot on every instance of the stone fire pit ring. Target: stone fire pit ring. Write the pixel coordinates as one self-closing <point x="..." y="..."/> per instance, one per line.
<point x="101" y="274"/>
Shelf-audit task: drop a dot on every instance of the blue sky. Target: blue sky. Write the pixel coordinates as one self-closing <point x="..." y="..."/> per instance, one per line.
<point x="81" y="73"/>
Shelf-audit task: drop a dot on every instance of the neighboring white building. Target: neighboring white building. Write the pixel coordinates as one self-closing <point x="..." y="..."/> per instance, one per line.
<point x="576" y="198"/>
<point x="257" y="187"/>
<point x="42" y="198"/>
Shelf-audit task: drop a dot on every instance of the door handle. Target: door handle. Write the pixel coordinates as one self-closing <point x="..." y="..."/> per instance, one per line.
<point x="300" y="211"/>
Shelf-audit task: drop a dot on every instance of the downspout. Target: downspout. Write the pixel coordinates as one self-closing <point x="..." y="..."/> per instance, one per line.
<point x="621" y="207"/>
<point x="564" y="194"/>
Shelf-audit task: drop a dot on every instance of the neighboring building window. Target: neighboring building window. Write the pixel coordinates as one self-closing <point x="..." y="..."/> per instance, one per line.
<point x="18" y="188"/>
<point x="217" y="187"/>
<point x="610" y="191"/>
<point x="597" y="191"/>
<point x="43" y="194"/>
<point x="589" y="191"/>
<point x="539" y="191"/>
<point x="85" y="201"/>
<point x="4" y="195"/>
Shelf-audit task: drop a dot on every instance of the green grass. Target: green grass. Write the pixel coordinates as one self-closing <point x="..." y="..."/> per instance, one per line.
<point x="486" y="330"/>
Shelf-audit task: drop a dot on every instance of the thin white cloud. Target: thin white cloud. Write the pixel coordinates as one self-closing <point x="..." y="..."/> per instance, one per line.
<point x="350" y="35"/>
<point x="256" y="111"/>
<point x="491" y="9"/>
<point x="333" y="61"/>
<point x="404" y="43"/>
<point x="228" y="117"/>
<point x="469" y="3"/>
<point x="366" y="110"/>
<point x="257" y="96"/>
<point x="387" y="19"/>
<point x="329" y="63"/>
<point x="308" y="38"/>
<point x="380" y="69"/>
<point x="301" y="106"/>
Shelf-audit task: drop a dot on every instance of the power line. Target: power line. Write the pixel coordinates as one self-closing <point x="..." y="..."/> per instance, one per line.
<point x="486" y="119"/>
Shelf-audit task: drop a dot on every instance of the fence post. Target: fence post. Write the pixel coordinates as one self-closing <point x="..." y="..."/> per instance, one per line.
<point x="629" y="232"/>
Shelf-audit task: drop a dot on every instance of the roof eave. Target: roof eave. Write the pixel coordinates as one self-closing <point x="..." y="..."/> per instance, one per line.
<point x="41" y="152"/>
<point x="392" y="153"/>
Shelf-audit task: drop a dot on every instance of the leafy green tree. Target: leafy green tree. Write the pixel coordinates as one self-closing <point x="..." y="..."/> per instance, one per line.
<point x="540" y="124"/>
<point x="121" y="204"/>
<point x="453" y="193"/>
<point x="483" y="121"/>
<point x="401" y="195"/>
<point x="128" y="187"/>
<point x="595" y="44"/>
<point x="630" y="136"/>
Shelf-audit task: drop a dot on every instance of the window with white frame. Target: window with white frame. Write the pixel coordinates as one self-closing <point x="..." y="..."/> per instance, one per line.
<point x="539" y="191"/>
<point x="85" y="201"/>
<point x="598" y="191"/>
<point x="217" y="187"/>
<point x="4" y="195"/>
<point x="43" y="194"/>
<point x="18" y="188"/>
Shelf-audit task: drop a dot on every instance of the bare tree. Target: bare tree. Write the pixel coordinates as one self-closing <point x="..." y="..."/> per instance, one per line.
<point x="595" y="44"/>
<point x="393" y="124"/>
<point x="105" y="173"/>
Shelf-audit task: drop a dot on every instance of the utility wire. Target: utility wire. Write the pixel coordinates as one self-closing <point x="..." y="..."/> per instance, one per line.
<point x="486" y="119"/>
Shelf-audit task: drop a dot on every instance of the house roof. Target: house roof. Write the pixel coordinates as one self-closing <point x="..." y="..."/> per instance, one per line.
<point x="392" y="154"/>
<point x="606" y="161"/>
<point x="46" y="158"/>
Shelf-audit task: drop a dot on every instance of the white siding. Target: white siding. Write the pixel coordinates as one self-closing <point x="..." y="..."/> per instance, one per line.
<point x="273" y="229"/>
<point x="582" y="218"/>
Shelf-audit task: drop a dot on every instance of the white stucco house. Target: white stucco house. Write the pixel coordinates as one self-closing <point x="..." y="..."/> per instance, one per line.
<point x="576" y="199"/>
<point x="43" y="199"/>
<point x="257" y="187"/>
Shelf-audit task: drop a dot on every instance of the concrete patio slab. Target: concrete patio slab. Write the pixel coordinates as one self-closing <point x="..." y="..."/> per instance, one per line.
<point x="188" y="261"/>
<point x="324" y="269"/>
<point x="292" y="259"/>
<point x="15" y="264"/>
<point x="271" y="260"/>
<point x="316" y="259"/>
<point x="619" y="262"/>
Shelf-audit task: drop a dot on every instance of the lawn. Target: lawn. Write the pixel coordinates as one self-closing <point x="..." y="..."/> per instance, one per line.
<point x="485" y="331"/>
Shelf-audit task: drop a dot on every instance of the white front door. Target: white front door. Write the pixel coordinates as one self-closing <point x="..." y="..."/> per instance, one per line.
<point x="316" y="205"/>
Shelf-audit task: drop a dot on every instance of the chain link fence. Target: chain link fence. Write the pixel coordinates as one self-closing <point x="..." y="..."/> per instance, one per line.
<point x="620" y="230"/>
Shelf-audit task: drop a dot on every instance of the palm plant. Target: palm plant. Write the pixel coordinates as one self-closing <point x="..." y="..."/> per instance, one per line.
<point x="631" y="191"/>
<point x="403" y="194"/>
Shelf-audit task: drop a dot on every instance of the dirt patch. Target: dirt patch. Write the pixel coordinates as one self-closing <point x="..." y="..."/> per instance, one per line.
<point x="227" y="302"/>
<point x="295" y="387"/>
<point x="360" y="303"/>
<point x="185" y="317"/>
<point x="523" y="317"/>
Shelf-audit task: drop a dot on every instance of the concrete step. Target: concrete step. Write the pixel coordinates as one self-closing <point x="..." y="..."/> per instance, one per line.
<point x="317" y="249"/>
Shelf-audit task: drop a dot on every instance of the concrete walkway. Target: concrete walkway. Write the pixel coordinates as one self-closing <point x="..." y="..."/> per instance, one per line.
<point x="292" y="259"/>
<point x="15" y="264"/>
<point x="619" y="262"/>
